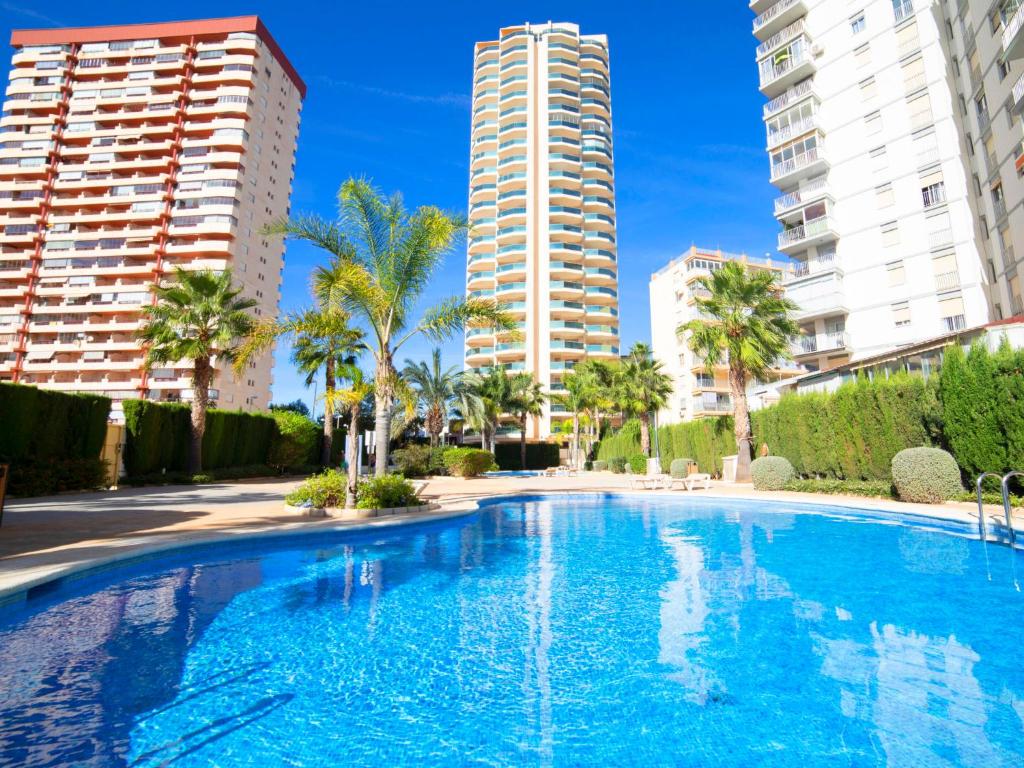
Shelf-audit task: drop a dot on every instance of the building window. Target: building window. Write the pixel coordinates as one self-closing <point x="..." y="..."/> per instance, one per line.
<point x="862" y="56"/>
<point x="1002" y="68"/>
<point x="896" y="273"/>
<point x="890" y="234"/>
<point x="885" y="196"/>
<point x="998" y="201"/>
<point x="873" y="123"/>
<point x="933" y="194"/>
<point x="901" y="314"/>
<point x="857" y="24"/>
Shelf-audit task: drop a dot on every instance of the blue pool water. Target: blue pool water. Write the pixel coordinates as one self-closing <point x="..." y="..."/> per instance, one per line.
<point x="577" y="631"/>
<point x="513" y="473"/>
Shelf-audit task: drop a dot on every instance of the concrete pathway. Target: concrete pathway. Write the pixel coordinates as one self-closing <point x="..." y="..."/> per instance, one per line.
<point x="48" y="537"/>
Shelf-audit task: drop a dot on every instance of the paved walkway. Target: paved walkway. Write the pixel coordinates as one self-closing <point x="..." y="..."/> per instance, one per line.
<point x="46" y="537"/>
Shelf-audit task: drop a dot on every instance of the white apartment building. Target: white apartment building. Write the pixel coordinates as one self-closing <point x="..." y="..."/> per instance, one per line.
<point x="126" y="152"/>
<point x="696" y="392"/>
<point x="871" y="150"/>
<point x="542" y="204"/>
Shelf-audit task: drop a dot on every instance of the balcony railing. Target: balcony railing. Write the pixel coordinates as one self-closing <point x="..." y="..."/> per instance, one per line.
<point x="806" y="193"/>
<point x="803" y="231"/>
<point x="771" y="72"/>
<point x="824" y="342"/>
<point x="776" y="40"/>
<point x="781" y="102"/>
<point x="954" y="323"/>
<point x="802" y="160"/>
<point x="947" y="280"/>
<point x="791" y="130"/>
<point x="1018" y="92"/>
<point x="771" y="13"/>
<point x="1013" y="26"/>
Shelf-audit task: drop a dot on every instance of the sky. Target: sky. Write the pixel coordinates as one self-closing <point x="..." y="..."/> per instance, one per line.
<point x="389" y="86"/>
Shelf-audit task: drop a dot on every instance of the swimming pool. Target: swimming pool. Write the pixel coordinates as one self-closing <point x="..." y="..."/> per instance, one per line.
<point x="571" y="630"/>
<point x="513" y="473"/>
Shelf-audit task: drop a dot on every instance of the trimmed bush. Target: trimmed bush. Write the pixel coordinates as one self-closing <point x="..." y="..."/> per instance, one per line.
<point x="600" y="466"/>
<point x="638" y="464"/>
<point x="468" y="462"/>
<point x="413" y="460"/>
<point x="538" y="455"/>
<point x="707" y="440"/>
<point x="297" y="442"/>
<point x="324" y="490"/>
<point x="875" y="488"/>
<point x="385" y="492"/>
<point x="926" y="475"/>
<point x="679" y="467"/>
<point x="617" y="464"/>
<point x="47" y="478"/>
<point x="771" y="473"/>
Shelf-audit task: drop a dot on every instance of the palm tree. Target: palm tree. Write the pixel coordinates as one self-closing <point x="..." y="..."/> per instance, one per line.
<point x="350" y="401"/>
<point x="526" y="399"/>
<point x="599" y="385"/>
<point x="642" y="389"/>
<point x="577" y="399"/>
<point x="438" y="391"/>
<point x="748" y="323"/>
<point x="198" y="316"/>
<point x="383" y="258"/>
<point x="324" y="340"/>
<point x="491" y="397"/>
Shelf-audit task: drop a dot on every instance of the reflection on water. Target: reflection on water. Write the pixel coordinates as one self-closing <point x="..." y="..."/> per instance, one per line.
<point x="578" y="632"/>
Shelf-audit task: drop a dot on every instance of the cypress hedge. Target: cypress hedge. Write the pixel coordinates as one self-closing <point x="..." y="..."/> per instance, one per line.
<point x="705" y="441"/>
<point x="158" y="436"/>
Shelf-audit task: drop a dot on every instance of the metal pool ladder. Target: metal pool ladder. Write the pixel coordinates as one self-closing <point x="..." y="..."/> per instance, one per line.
<point x="1004" y="484"/>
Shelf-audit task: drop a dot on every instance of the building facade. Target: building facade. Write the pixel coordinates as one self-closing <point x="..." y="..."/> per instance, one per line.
<point x="696" y="392"/>
<point x="126" y="152"/>
<point x="871" y="149"/>
<point x="542" y="237"/>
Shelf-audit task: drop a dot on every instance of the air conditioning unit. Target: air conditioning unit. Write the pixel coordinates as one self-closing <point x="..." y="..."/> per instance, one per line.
<point x="816" y="51"/>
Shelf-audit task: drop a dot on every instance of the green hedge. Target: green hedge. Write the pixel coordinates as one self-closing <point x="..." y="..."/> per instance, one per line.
<point x="705" y="441"/>
<point x="538" y="456"/>
<point x="158" y="438"/>
<point x="854" y="432"/>
<point x="40" y="425"/>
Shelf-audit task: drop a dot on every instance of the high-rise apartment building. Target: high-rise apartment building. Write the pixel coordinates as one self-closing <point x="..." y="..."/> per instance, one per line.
<point x="697" y="392"/>
<point x="872" y="138"/>
<point x="126" y="152"/>
<point x="542" y="204"/>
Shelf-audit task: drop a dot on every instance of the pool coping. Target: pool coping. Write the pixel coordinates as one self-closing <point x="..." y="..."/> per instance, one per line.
<point x="21" y="589"/>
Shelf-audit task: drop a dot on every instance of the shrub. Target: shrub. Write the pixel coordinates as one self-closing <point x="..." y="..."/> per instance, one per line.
<point x="202" y="478"/>
<point x="468" y="462"/>
<point x="324" y="490"/>
<point x="600" y="466"/>
<point x="413" y="460"/>
<point x="679" y="467"/>
<point x="771" y="473"/>
<point x="538" y="455"/>
<point x="588" y="466"/>
<point x="297" y="441"/>
<point x="39" y="479"/>
<point x="875" y="488"/>
<point x="386" y="492"/>
<point x="617" y="464"/>
<point x="706" y="440"/>
<point x="436" y="465"/>
<point x="926" y="475"/>
<point x="638" y="464"/>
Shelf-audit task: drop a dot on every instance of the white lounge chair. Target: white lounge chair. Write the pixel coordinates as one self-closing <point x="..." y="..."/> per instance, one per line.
<point x="702" y="479"/>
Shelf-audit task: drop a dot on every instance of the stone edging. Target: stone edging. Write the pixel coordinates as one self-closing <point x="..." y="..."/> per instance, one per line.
<point x="341" y="513"/>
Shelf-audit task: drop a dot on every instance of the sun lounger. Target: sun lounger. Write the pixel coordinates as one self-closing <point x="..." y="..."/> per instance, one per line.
<point x="701" y="479"/>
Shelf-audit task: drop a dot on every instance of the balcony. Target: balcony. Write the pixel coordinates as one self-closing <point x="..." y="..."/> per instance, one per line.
<point x="791" y="131"/>
<point x="1018" y="95"/>
<point x="812" y="191"/>
<point x="819" y="266"/>
<point x="902" y="10"/>
<point x="783" y="69"/>
<point x="813" y="232"/>
<point x="818" y="295"/>
<point x="1013" y="33"/>
<point x="806" y="164"/>
<point x="777" y="17"/>
<point x="833" y="341"/>
<point x="791" y="96"/>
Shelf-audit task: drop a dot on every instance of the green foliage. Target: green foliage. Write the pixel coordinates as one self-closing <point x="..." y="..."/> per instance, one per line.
<point x="297" y="441"/>
<point x="874" y="488"/>
<point x="180" y="477"/>
<point x="706" y="440"/>
<point x="39" y="478"/>
<point x="771" y="473"/>
<point x="468" y="462"/>
<point x="926" y="475"/>
<point x="385" y="492"/>
<point x="638" y="464"/>
<point x="538" y="455"/>
<point x="678" y="468"/>
<point x="982" y="395"/>
<point x="854" y="432"/>
<point x="324" y="490"/>
<point x="52" y="440"/>
<point x="413" y="460"/>
<point x="617" y="464"/>
<point x="158" y="438"/>
<point x="600" y="466"/>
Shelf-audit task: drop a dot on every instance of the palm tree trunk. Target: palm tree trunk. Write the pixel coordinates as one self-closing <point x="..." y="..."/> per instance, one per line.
<point x="576" y="440"/>
<point x="201" y="375"/>
<point x="328" y="441"/>
<point x="741" y="423"/>
<point x="522" y="440"/>
<point x="352" y="457"/>
<point x="382" y="436"/>
<point x="645" y="434"/>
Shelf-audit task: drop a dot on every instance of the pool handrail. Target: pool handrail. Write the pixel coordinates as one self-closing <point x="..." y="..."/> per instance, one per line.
<point x="981" y="509"/>
<point x="1007" y="511"/>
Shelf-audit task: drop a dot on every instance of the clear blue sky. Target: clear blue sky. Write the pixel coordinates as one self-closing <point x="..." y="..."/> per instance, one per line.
<point x="389" y="92"/>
